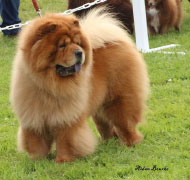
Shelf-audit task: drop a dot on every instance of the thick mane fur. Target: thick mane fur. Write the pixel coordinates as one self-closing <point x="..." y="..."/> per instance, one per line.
<point x="102" y="28"/>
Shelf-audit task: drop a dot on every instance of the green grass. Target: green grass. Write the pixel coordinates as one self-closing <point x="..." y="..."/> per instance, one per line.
<point x="167" y="131"/>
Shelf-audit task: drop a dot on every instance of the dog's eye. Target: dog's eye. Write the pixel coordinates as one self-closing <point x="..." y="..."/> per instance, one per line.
<point x="52" y="55"/>
<point x="62" y="45"/>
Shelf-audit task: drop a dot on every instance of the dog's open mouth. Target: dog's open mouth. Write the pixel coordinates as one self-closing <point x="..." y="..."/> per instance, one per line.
<point x="151" y="6"/>
<point x="68" y="71"/>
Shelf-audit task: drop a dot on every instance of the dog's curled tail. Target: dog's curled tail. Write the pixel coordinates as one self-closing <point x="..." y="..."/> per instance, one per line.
<point x="102" y="27"/>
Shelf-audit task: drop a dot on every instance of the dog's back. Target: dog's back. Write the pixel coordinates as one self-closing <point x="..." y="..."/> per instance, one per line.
<point x="101" y="27"/>
<point x="119" y="78"/>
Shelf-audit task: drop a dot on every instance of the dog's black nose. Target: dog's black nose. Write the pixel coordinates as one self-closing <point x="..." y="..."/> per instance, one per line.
<point x="78" y="54"/>
<point x="150" y="4"/>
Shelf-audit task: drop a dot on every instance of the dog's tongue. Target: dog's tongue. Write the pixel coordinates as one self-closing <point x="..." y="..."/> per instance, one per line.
<point x="67" y="71"/>
<point x="77" y="67"/>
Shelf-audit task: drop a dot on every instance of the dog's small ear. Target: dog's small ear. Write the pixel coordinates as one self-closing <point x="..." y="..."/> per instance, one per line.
<point x="46" y="29"/>
<point x="76" y="22"/>
<point x="40" y="32"/>
<point x="43" y="30"/>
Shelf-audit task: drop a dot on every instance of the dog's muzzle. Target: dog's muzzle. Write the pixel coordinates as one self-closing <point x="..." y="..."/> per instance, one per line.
<point x="68" y="71"/>
<point x="151" y="5"/>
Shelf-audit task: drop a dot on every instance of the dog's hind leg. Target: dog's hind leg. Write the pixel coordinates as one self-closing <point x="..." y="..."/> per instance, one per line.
<point x="163" y="29"/>
<point x="125" y="115"/>
<point x="104" y="127"/>
<point x="177" y="28"/>
<point x="179" y="16"/>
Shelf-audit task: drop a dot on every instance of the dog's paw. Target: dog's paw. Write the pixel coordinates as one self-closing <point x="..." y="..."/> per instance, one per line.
<point x="63" y="159"/>
<point x="134" y="138"/>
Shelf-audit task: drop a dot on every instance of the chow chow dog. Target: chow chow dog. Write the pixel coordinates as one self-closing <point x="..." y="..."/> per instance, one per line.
<point x="162" y="15"/>
<point x="66" y="70"/>
<point x="122" y="8"/>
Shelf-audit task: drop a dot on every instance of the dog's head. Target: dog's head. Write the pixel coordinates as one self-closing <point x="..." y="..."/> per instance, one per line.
<point x="152" y="3"/>
<point x="56" y="53"/>
<point x="56" y="44"/>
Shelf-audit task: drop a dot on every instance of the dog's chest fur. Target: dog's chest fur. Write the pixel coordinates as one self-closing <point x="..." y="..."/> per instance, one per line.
<point x="155" y="22"/>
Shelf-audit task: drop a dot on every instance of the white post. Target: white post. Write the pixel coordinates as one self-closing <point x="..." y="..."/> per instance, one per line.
<point x="140" y="25"/>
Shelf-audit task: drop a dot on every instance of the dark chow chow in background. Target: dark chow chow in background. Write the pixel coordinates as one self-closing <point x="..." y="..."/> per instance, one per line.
<point x="162" y="15"/>
<point x="122" y="9"/>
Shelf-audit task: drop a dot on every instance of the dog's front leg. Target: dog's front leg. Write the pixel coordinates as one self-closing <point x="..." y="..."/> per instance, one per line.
<point x="151" y="30"/>
<point x="74" y="141"/>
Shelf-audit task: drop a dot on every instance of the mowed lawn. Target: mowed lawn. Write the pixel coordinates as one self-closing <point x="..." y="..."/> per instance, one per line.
<point x="167" y="130"/>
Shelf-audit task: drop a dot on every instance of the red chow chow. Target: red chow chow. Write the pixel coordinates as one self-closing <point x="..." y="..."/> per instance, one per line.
<point x="66" y="70"/>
